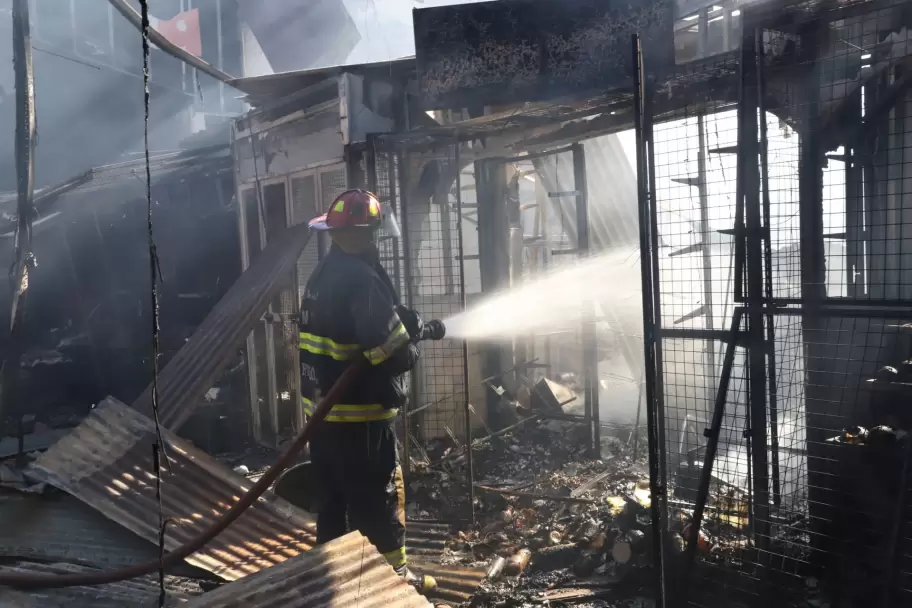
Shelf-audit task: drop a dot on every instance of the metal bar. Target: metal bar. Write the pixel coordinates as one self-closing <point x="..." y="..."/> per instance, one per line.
<point x="414" y="393"/>
<point x="712" y="446"/>
<point x="590" y="345"/>
<point x="748" y="157"/>
<point x="650" y="337"/>
<point x="896" y="527"/>
<point x="25" y="173"/>
<point x="465" y="345"/>
<point x="825" y="310"/>
<point x="854" y="176"/>
<point x="768" y="269"/>
<point x="659" y="494"/>
<point x="683" y="333"/>
<point x="739" y="189"/>
<point x="534" y="155"/>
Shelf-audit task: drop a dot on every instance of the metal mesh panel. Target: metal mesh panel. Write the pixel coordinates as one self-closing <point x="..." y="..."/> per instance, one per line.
<point x="435" y="289"/>
<point x="788" y="214"/>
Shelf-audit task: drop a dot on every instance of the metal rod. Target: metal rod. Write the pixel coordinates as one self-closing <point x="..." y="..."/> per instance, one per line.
<point x="705" y="234"/>
<point x="534" y="155"/>
<point x="712" y="445"/>
<point x="739" y="190"/>
<point x="768" y="269"/>
<point x="636" y="427"/>
<point x="896" y="526"/>
<point x="414" y="393"/>
<point x="590" y="344"/>
<point x="25" y="173"/>
<point x="649" y="325"/>
<point x="465" y="344"/>
<point x="748" y="155"/>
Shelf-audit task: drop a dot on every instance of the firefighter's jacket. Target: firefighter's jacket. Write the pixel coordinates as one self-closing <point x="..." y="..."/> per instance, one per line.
<point x="349" y="310"/>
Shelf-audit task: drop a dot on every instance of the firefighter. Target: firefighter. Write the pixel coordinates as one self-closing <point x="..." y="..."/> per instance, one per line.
<point x="349" y="309"/>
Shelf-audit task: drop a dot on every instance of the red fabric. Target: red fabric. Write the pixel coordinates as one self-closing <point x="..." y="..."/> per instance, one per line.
<point x="183" y="30"/>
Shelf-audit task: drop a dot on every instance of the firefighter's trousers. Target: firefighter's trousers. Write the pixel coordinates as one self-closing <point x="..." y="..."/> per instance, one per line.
<point x="361" y="486"/>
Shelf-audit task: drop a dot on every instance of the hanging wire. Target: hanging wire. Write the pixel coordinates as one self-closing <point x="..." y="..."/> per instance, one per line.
<point x="158" y="446"/>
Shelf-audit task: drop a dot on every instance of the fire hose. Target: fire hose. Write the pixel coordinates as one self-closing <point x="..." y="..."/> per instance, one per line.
<point x="432" y="330"/>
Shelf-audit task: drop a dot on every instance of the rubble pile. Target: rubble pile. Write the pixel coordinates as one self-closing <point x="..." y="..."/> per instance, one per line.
<point x="551" y="523"/>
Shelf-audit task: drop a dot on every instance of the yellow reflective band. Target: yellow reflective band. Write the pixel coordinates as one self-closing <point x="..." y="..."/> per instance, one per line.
<point x="397" y="339"/>
<point x="319" y="345"/>
<point x="353" y="413"/>
<point x="396" y="558"/>
<point x="340" y="206"/>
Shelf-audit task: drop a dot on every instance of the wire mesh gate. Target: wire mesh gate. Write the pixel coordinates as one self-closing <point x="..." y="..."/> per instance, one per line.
<point x="471" y="228"/>
<point x="776" y="252"/>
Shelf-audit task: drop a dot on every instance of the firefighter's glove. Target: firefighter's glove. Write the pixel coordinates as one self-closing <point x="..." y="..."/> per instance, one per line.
<point x="412" y="322"/>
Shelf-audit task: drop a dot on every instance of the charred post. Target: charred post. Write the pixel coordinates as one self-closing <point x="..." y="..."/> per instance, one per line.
<point x="25" y="167"/>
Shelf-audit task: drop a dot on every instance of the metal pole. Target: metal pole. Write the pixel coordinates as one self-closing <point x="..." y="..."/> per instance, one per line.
<point x="650" y="336"/>
<point x="712" y="446"/>
<point x="25" y="169"/>
<point x="748" y="157"/>
<point x="768" y="263"/>
<point x="589" y="340"/>
<point x="465" y="345"/>
<point x="414" y="393"/>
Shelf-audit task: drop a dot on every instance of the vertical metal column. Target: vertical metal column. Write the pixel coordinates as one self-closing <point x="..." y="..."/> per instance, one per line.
<point x="589" y="339"/>
<point x="650" y="333"/>
<point x="465" y="346"/>
<point x="706" y="237"/>
<point x="25" y="172"/>
<point x="748" y="156"/>
<point x="767" y="237"/>
<point x="414" y="384"/>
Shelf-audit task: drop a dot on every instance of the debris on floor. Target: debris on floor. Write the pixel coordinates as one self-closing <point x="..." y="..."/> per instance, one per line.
<point x="552" y="524"/>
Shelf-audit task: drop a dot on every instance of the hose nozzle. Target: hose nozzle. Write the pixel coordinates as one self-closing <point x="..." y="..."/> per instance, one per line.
<point x="433" y="330"/>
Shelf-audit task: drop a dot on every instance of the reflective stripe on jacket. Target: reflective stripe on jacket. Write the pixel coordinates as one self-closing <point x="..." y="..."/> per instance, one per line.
<point x="349" y="310"/>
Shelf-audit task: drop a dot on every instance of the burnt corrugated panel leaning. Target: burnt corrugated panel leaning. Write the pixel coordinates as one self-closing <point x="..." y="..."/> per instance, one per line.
<point x="348" y="571"/>
<point x="107" y="462"/>
<point x="134" y="593"/>
<point x="196" y="366"/>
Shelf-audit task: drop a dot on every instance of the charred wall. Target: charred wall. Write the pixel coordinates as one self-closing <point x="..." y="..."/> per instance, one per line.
<point x="88" y="324"/>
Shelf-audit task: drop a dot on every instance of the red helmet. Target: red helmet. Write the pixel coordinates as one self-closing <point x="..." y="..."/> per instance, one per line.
<point x="357" y="209"/>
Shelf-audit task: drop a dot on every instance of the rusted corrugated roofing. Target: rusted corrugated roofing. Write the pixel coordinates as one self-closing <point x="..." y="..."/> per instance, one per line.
<point x="454" y="584"/>
<point x="137" y="592"/>
<point x="348" y="571"/>
<point x="426" y="541"/>
<point x="107" y="462"/>
<point x="196" y="366"/>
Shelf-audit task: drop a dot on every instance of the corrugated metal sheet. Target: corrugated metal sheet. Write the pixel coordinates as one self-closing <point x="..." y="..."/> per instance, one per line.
<point x="61" y="528"/>
<point x="135" y="593"/>
<point x="196" y="366"/>
<point x="454" y="584"/>
<point x="348" y="571"/>
<point x="107" y="462"/>
<point x="426" y="542"/>
<point x="427" y="538"/>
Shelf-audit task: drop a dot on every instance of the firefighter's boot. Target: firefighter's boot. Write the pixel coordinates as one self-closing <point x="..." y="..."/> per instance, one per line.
<point x="423" y="583"/>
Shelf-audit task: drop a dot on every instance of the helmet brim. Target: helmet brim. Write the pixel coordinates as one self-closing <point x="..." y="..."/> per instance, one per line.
<point x="319" y="223"/>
